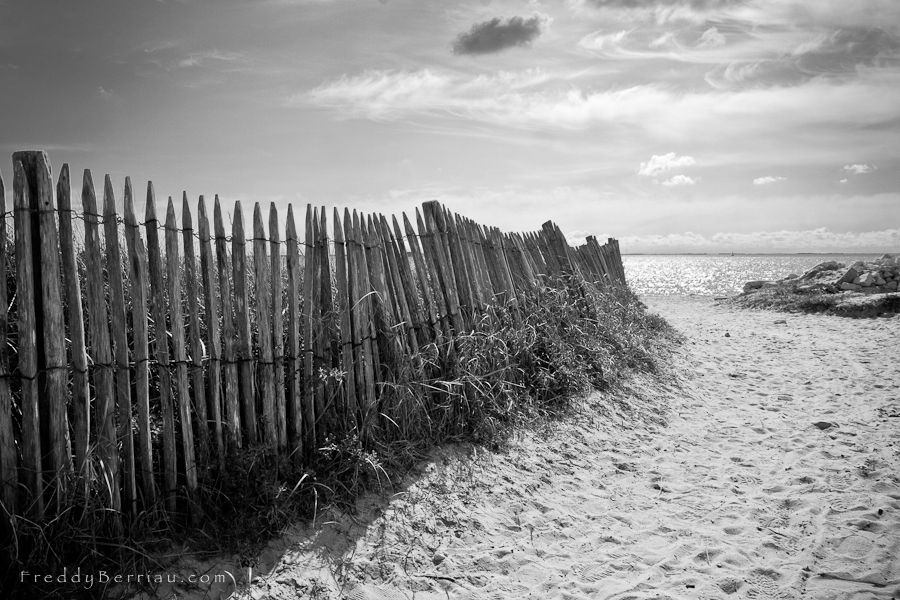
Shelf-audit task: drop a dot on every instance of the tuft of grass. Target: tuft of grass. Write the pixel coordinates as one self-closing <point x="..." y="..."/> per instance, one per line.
<point x="812" y="302"/>
<point x="788" y="300"/>
<point x="520" y="365"/>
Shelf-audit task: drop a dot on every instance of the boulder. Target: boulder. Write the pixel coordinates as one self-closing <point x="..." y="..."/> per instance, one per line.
<point x="849" y="275"/>
<point x="891" y="286"/>
<point x="849" y="287"/>
<point x="867" y="279"/>
<point x="828" y="265"/>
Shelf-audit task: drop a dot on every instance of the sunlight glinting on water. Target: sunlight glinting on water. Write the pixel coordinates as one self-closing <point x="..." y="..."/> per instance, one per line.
<point x="715" y="275"/>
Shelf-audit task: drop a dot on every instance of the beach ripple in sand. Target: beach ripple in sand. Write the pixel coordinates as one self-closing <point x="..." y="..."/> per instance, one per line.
<point x="737" y="495"/>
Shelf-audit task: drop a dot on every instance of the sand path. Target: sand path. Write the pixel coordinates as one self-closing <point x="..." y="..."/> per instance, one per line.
<point x="739" y="495"/>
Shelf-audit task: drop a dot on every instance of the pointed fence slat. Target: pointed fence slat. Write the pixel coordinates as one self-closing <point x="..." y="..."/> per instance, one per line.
<point x="310" y="273"/>
<point x="405" y="325"/>
<point x="27" y="348"/>
<point x="198" y="382"/>
<point x="161" y="351"/>
<point x="263" y="306"/>
<point x="342" y="298"/>
<point x="463" y="280"/>
<point x="440" y="249"/>
<point x="436" y="274"/>
<point x="120" y="343"/>
<point x="213" y="342"/>
<point x="137" y="275"/>
<point x="81" y="416"/>
<point x="407" y="283"/>
<point x="277" y="327"/>
<point x="243" y="351"/>
<point x="179" y="351"/>
<point x="100" y="347"/>
<point x="49" y="321"/>
<point x="326" y="348"/>
<point x="430" y="307"/>
<point x="364" y="329"/>
<point x="295" y="398"/>
<point x="231" y="390"/>
<point x="380" y="304"/>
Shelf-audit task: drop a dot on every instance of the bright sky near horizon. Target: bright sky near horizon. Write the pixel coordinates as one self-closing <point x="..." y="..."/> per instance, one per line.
<point x="673" y="125"/>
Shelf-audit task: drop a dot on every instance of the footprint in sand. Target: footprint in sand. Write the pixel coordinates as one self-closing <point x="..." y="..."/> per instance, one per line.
<point x="841" y="480"/>
<point x="593" y="573"/>
<point x="373" y="592"/>
<point x="762" y="585"/>
<point x="839" y="503"/>
<point x="745" y="479"/>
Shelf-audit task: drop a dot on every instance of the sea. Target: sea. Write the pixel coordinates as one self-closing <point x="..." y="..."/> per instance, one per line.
<point x="717" y="275"/>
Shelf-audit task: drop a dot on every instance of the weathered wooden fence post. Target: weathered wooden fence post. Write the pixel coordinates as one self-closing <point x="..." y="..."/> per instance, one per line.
<point x="214" y="344"/>
<point x="266" y="378"/>
<point x="161" y="350"/>
<point x="120" y="342"/>
<point x="81" y="416"/>
<point x="137" y="273"/>
<point x="52" y="363"/>
<point x="100" y="346"/>
<point x="278" y="327"/>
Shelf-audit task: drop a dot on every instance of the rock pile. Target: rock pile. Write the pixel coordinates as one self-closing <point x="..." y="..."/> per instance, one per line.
<point x="877" y="277"/>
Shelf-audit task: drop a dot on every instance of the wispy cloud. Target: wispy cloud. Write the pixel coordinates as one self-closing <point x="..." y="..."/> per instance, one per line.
<point x="196" y="59"/>
<point x="677" y="180"/>
<point x="661" y="163"/>
<point x="859" y="169"/>
<point x="496" y="35"/>
<point x="833" y="54"/>
<point x="711" y="38"/>
<point x="768" y="179"/>
<point x="534" y="99"/>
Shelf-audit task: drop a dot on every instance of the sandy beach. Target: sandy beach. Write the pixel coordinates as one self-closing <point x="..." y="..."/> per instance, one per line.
<point x="770" y="470"/>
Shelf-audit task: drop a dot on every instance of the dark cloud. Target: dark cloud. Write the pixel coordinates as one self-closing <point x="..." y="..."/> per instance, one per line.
<point x="496" y="35"/>
<point x="837" y="54"/>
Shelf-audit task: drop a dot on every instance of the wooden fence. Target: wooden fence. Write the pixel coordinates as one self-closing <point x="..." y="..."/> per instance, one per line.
<point x="135" y="357"/>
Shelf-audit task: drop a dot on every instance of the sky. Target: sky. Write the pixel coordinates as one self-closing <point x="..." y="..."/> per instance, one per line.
<point x="672" y="125"/>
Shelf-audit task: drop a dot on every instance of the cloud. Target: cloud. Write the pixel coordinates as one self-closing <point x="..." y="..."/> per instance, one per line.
<point x="844" y="180"/>
<point x="711" y="38"/>
<point x="495" y="35"/>
<point x="604" y="41"/>
<point x="196" y="59"/>
<point x="537" y="100"/>
<point x="381" y="94"/>
<point x="679" y="180"/>
<point x="822" y="239"/>
<point x="694" y="4"/>
<point x="768" y="179"/>
<point x="661" y="163"/>
<point x="860" y="169"/>
<point x="834" y="54"/>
